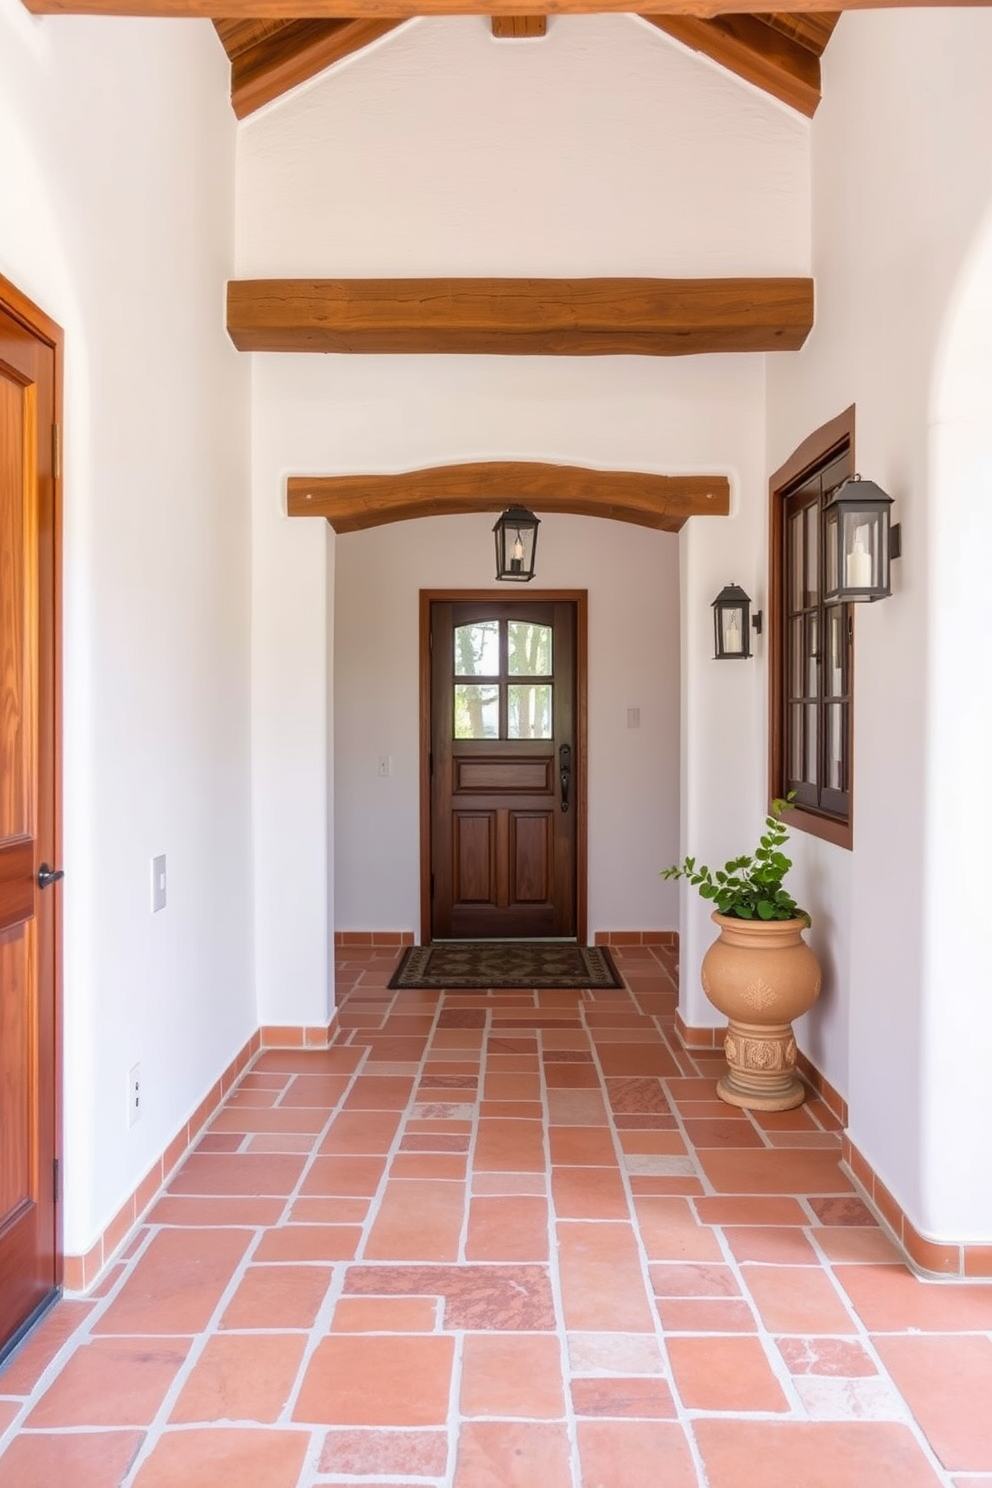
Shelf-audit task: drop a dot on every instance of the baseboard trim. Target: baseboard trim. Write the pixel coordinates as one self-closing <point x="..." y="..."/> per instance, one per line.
<point x="668" y="938"/>
<point x="955" y="1260"/>
<point x="344" y="938"/>
<point x="81" y="1272"/>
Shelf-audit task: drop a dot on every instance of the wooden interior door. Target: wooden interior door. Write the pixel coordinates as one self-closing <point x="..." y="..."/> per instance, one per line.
<point x="30" y="1260"/>
<point x="505" y="768"/>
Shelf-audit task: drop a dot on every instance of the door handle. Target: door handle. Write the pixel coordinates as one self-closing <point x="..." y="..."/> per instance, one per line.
<point x="565" y="773"/>
<point x="48" y="875"/>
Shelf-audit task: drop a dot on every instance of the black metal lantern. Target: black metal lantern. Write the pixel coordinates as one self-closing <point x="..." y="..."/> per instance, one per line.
<point x="732" y="624"/>
<point x="858" y="542"/>
<point x="516" y="544"/>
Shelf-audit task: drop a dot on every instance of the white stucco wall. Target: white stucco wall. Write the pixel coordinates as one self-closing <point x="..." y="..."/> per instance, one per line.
<point x="116" y="213"/>
<point x="604" y="147"/>
<point x="320" y="414"/>
<point x="901" y="181"/>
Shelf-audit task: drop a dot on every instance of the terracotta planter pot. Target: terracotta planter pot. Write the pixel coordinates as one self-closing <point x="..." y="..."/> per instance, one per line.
<point x="761" y="974"/>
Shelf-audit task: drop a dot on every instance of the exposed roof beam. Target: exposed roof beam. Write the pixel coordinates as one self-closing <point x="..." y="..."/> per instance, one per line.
<point x="520" y="317"/>
<point x="396" y="9"/>
<point x="755" y="50"/>
<point x="353" y="502"/>
<point x="289" y="53"/>
<point x="513" y="27"/>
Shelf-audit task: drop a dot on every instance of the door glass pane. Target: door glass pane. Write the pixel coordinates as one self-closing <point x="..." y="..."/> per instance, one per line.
<point x="812" y="651"/>
<point x="811" y="773"/>
<point x="835" y="674"/>
<point x="528" y="708"/>
<point x="477" y="651"/>
<point x="836" y="763"/>
<point x="796" y="657"/>
<point x="795" y="743"/>
<point x="795" y="562"/>
<point x="476" y="711"/>
<point x="812" y="555"/>
<point x="528" y="649"/>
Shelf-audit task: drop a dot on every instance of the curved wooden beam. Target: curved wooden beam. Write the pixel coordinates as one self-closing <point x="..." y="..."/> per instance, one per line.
<point x="353" y="502"/>
<point x="396" y="9"/>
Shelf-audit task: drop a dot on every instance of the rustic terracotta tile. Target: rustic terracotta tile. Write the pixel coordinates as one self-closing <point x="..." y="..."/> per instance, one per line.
<point x="329" y="1211"/>
<point x="25" y="1367"/>
<point x="778" y="1171"/>
<point x="642" y="1399"/>
<point x="705" y="1315"/>
<point x="509" y="1146"/>
<point x="850" y="1243"/>
<point x="344" y="1177"/>
<point x="512" y="1454"/>
<point x="357" y="1133"/>
<point x="278" y="1297"/>
<point x="379" y="1093"/>
<point x="277" y="1119"/>
<point x="576" y="1107"/>
<point x="225" y="1457"/>
<point x="377" y="1380"/>
<point x="90" y="1459"/>
<point x="721" y="1133"/>
<point x="633" y="1094"/>
<point x="693" y="1280"/>
<point x="784" y="1245"/>
<point x="947" y="1384"/>
<point x="724" y="1374"/>
<point x="308" y="1242"/>
<point x="890" y="1299"/>
<point x="842" y="1358"/>
<point x="635" y="1454"/>
<point x="581" y="1146"/>
<point x="241" y="1377"/>
<point x="418" y="1220"/>
<point x="670" y="1231"/>
<point x="237" y="1174"/>
<point x="844" y="1211"/>
<point x="601" y="1281"/>
<point x="797" y="1299"/>
<point x="213" y="1213"/>
<point x="858" y="1454"/>
<point x="479" y="1297"/>
<point x="614" y="1354"/>
<point x="385" y="1315"/>
<point x="507" y="1374"/>
<point x="750" y="1210"/>
<point x="512" y="1228"/>
<point x="355" y="1451"/>
<point x="111" y="1382"/>
<point x="177" y="1283"/>
<point x="589" y="1193"/>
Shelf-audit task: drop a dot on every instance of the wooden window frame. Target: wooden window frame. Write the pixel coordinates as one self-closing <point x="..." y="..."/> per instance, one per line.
<point x="818" y="450"/>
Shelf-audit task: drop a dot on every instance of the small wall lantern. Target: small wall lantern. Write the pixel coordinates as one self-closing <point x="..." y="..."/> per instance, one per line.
<point x="732" y="624"/>
<point x="859" y="542"/>
<point x="516" y="544"/>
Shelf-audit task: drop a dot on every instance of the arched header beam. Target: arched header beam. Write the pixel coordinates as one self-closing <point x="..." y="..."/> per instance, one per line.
<point x="353" y="502"/>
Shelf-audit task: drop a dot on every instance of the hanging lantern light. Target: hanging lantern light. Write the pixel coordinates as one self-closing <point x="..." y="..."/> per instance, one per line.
<point x="859" y="542"/>
<point x="516" y="544"/>
<point x="732" y="624"/>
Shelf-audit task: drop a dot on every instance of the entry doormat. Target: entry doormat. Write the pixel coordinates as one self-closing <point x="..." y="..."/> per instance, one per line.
<point x="481" y="965"/>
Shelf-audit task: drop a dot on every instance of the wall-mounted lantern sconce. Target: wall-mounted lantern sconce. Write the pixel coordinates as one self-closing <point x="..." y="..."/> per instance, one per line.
<point x="859" y="542"/>
<point x="732" y="624"/>
<point x="516" y="544"/>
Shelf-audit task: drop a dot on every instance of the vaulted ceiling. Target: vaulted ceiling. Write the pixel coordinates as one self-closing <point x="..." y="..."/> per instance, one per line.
<point x="779" y="52"/>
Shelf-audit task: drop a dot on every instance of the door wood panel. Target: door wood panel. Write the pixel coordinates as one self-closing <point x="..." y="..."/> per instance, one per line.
<point x="30" y="1246"/>
<point x="503" y="858"/>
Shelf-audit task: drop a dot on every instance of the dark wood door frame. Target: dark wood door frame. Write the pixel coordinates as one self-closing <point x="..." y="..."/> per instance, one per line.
<point x="45" y="590"/>
<point x="580" y="599"/>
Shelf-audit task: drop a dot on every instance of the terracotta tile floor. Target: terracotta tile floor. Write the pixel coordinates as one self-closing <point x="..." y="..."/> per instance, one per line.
<point x="505" y="1241"/>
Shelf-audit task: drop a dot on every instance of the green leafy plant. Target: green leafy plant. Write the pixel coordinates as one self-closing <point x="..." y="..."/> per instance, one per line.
<point x="750" y="887"/>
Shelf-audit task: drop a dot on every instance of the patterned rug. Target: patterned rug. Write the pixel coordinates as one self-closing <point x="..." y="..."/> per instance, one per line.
<point x="478" y="965"/>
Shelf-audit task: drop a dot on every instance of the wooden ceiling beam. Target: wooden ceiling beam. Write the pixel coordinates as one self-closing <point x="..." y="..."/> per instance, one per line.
<point x="756" y="51"/>
<point x="516" y="26"/>
<point x="396" y="9"/>
<point x="292" y="53"/>
<point x="354" y="502"/>
<point x="520" y="317"/>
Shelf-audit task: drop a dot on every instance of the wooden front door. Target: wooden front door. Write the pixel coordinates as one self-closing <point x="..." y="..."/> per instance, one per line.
<point x="30" y="1260"/>
<point x="505" y="768"/>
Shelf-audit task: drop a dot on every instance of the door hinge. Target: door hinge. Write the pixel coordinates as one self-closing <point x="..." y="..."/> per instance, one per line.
<point x="56" y="1181"/>
<point x="56" y="452"/>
